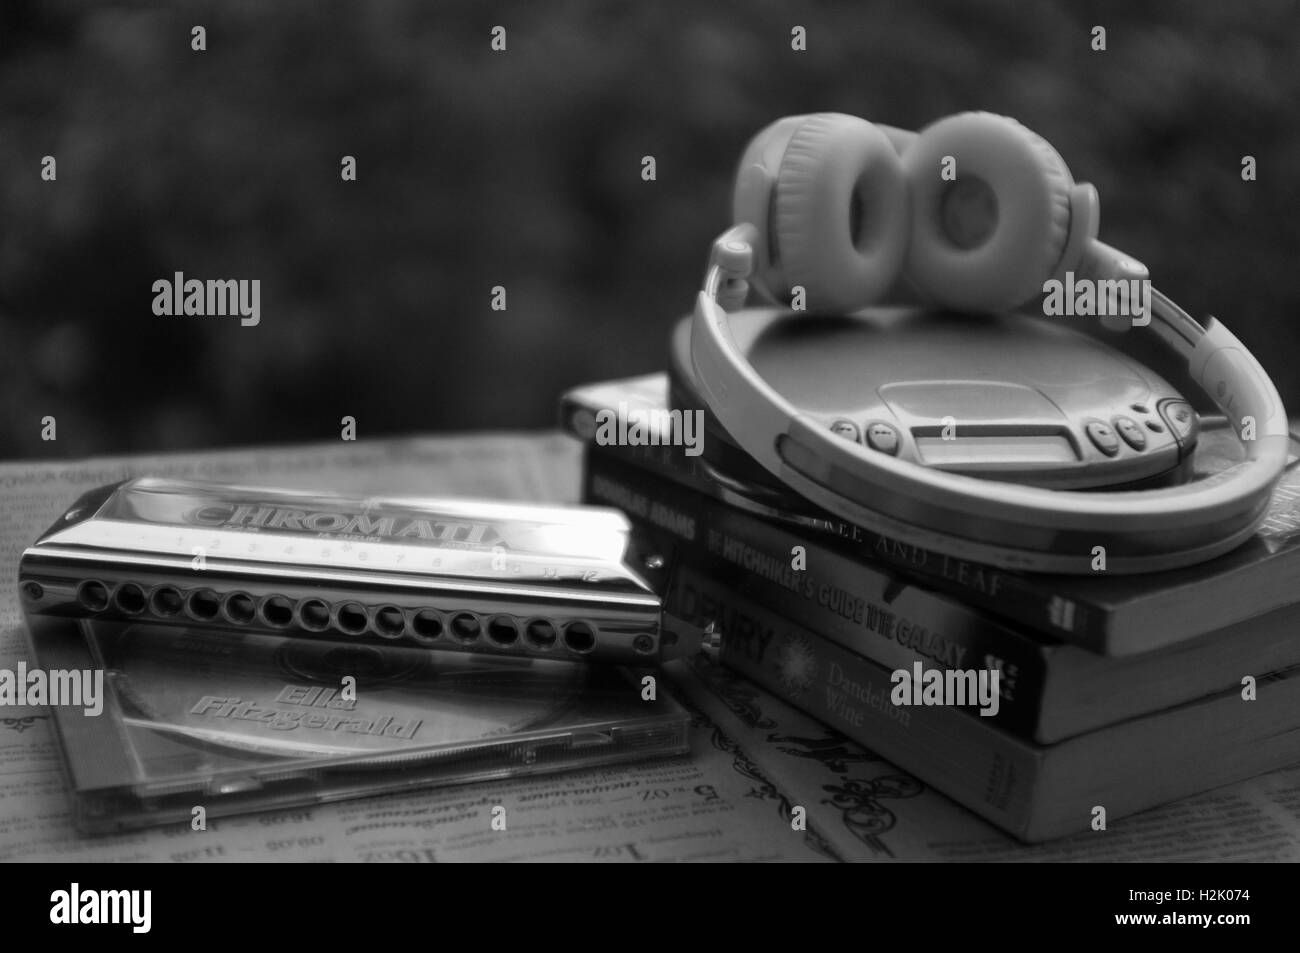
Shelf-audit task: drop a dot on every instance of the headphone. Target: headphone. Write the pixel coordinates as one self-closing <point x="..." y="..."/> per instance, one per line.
<point x="851" y="214"/>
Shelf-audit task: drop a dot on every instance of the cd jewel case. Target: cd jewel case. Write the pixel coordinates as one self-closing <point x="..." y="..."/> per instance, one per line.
<point x="249" y="720"/>
<point x="506" y="579"/>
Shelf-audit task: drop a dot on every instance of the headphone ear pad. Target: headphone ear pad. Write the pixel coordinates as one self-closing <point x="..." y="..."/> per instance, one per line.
<point x="988" y="238"/>
<point x="839" y="213"/>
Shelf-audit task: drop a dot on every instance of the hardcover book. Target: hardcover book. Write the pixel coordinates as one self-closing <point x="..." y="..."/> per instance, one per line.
<point x="1034" y="792"/>
<point x="1050" y="689"/>
<point x="1108" y="614"/>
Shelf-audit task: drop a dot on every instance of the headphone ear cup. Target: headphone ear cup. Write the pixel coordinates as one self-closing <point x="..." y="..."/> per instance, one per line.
<point x="839" y="214"/>
<point x="987" y="239"/>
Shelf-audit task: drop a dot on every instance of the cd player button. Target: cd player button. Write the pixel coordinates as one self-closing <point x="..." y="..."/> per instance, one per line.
<point x="1103" y="438"/>
<point x="1131" y="432"/>
<point x="846" y="429"/>
<point x="1179" y="416"/>
<point x="882" y="437"/>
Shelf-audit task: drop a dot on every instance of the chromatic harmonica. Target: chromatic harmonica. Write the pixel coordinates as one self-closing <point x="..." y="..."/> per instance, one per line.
<point x="501" y="578"/>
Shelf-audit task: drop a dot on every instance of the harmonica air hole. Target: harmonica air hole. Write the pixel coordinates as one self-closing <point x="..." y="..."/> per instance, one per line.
<point x="426" y="625"/>
<point x="240" y="608"/>
<point x="352" y="618"/>
<point x="314" y="615"/>
<point x="578" y="637"/>
<point x="465" y="627"/>
<point x="389" y="621"/>
<point x="540" y="634"/>
<point x="203" y="604"/>
<point x="503" y="631"/>
<point x="129" y="598"/>
<point x="277" y="611"/>
<point x="166" y="601"/>
<point x="93" y="594"/>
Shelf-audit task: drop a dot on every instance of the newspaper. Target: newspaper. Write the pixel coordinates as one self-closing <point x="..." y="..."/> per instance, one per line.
<point x="866" y="809"/>
<point x="762" y="781"/>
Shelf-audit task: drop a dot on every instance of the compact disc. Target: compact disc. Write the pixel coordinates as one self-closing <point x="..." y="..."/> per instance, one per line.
<point x="289" y="696"/>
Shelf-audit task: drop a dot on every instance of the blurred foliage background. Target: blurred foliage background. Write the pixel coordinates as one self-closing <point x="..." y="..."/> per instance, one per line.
<point x="523" y="169"/>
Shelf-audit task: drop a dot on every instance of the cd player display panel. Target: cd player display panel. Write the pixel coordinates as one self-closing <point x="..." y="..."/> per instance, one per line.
<point x="1010" y="397"/>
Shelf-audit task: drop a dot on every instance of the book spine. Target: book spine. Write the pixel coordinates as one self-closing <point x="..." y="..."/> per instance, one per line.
<point x="1013" y="596"/>
<point x="958" y="753"/>
<point x="865" y="609"/>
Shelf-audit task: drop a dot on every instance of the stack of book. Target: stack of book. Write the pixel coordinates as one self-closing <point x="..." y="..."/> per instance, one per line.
<point x="1115" y="693"/>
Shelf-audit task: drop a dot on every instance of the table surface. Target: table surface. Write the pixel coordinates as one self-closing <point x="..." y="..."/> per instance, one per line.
<point x="753" y="759"/>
